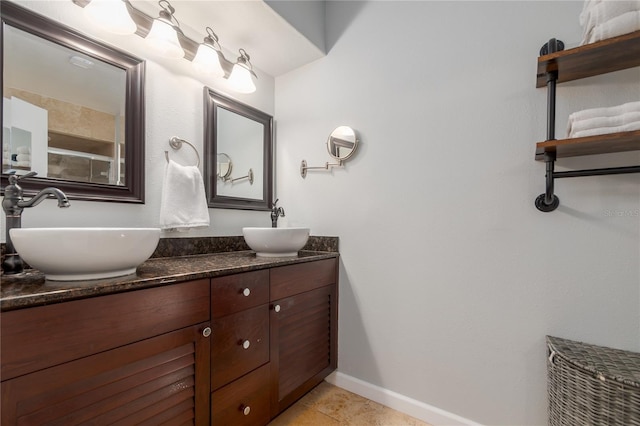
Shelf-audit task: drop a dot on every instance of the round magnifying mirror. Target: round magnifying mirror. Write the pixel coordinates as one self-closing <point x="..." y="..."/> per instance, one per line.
<point x="224" y="166"/>
<point x="342" y="143"/>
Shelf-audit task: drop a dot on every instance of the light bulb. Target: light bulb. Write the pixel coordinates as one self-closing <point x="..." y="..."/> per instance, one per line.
<point x="207" y="61"/>
<point x="240" y="80"/>
<point x="110" y="15"/>
<point x="163" y="38"/>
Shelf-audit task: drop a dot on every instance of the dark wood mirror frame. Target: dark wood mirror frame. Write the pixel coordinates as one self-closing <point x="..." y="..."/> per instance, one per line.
<point x="133" y="189"/>
<point x="213" y="101"/>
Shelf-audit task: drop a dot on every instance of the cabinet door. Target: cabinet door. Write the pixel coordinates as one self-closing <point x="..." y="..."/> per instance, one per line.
<point x="158" y="380"/>
<point x="303" y="344"/>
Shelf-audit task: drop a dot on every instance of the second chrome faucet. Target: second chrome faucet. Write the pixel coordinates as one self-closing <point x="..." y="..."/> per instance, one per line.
<point x="275" y="213"/>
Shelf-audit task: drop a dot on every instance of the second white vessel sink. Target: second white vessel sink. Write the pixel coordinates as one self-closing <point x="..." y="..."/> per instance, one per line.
<point x="74" y="254"/>
<point x="276" y="242"/>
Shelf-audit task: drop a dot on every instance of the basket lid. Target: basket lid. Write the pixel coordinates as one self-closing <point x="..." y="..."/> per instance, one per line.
<point x="606" y="363"/>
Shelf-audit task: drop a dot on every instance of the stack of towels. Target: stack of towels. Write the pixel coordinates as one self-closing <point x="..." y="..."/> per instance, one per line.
<point x="23" y="158"/>
<point x="603" y="19"/>
<point x="6" y="155"/>
<point x="600" y="121"/>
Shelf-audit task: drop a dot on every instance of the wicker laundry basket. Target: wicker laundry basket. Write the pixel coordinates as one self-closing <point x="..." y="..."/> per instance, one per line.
<point x="592" y="385"/>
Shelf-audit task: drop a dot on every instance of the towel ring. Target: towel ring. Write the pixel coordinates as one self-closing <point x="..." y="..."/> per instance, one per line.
<point x="176" y="143"/>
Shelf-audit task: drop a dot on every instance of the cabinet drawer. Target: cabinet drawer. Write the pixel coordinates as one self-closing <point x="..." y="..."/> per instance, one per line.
<point x="235" y="293"/>
<point x="240" y="344"/>
<point x="44" y="336"/>
<point x="243" y="402"/>
<point x="294" y="279"/>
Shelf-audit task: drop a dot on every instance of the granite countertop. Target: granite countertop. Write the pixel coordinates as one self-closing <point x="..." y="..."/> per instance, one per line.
<point x="32" y="289"/>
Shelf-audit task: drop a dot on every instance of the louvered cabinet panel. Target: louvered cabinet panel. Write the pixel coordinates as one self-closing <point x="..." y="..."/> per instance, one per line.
<point x="303" y="344"/>
<point x="161" y="380"/>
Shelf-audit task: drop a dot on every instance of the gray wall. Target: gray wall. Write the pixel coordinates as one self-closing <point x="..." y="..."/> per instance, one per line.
<point x="450" y="277"/>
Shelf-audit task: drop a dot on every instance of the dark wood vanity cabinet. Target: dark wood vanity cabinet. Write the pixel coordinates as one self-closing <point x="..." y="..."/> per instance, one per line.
<point x="303" y="324"/>
<point x="230" y="350"/>
<point x="124" y="358"/>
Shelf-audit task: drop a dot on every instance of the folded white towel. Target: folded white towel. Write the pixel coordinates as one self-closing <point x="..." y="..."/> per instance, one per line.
<point x="23" y="164"/>
<point x="620" y="25"/>
<point x="184" y="203"/>
<point x="605" y="130"/>
<point x="23" y="150"/>
<point x="599" y="122"/>
<point x="595" y="14"/>
<point x="23" y="157"/>
<point x="604" y="111"/>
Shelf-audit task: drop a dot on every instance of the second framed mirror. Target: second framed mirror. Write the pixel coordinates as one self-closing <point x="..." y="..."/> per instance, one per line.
<point x="239" y="139"/>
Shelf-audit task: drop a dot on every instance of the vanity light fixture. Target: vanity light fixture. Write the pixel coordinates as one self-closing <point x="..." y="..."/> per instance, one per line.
<point x="81" y="62"/>
<point x="163" y="36"/>
<point x="240" y="79"/>
<point x="111" y="15"/>
<point x="207" y="59"/>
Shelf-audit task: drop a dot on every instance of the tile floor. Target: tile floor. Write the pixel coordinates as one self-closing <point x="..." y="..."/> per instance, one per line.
<point x="328" y="405"/>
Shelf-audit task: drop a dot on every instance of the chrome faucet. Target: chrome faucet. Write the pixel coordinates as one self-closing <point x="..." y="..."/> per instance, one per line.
<point x="13" y="204"/>
<point x="275" y="213"/>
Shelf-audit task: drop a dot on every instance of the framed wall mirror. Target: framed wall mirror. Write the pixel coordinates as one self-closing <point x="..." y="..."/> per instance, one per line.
<point x="72" y="111"/>
<point x="238" y="163"/>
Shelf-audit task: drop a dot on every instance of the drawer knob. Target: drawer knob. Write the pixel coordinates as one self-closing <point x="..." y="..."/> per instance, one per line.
<point x="245" y="409"/>
<point x="206" y="332"/>
<point x="276" y="308"/>
<point x="246" y="292"/>
<point x="246" y="344"/>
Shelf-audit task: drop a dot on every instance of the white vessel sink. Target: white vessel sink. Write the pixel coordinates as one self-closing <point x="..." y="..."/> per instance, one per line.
<point x="276" y="242"/>
<point x="73" y="254"/>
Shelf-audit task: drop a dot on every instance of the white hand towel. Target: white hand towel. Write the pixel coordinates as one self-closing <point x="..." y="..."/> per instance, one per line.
<point x="23" y="150"/>
<point x="620" y="25"/>
<point x="605" y="130"/>
<point x="23" y="157"/>
<point x="604" y="11"/>
<point x="184" y="203"/>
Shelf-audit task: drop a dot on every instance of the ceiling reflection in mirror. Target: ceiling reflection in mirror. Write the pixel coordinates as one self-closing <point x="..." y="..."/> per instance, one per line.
<point x="72" y="110"/>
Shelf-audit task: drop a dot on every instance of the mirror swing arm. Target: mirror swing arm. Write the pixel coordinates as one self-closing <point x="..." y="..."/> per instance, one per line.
<point x="342" y="138"/>
<point x="248" y="176"/>
<point x="226" y="176"/>
<point x="327" y="166"/>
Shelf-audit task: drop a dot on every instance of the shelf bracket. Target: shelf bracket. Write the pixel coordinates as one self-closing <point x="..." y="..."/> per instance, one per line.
<point x="548" y="201"/>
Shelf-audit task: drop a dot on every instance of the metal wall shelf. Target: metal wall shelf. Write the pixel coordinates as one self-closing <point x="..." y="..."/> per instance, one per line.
<point x="556" y="65"/>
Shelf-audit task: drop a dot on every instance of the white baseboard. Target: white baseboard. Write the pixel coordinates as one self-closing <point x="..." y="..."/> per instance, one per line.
<point x="425" y="412"/>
